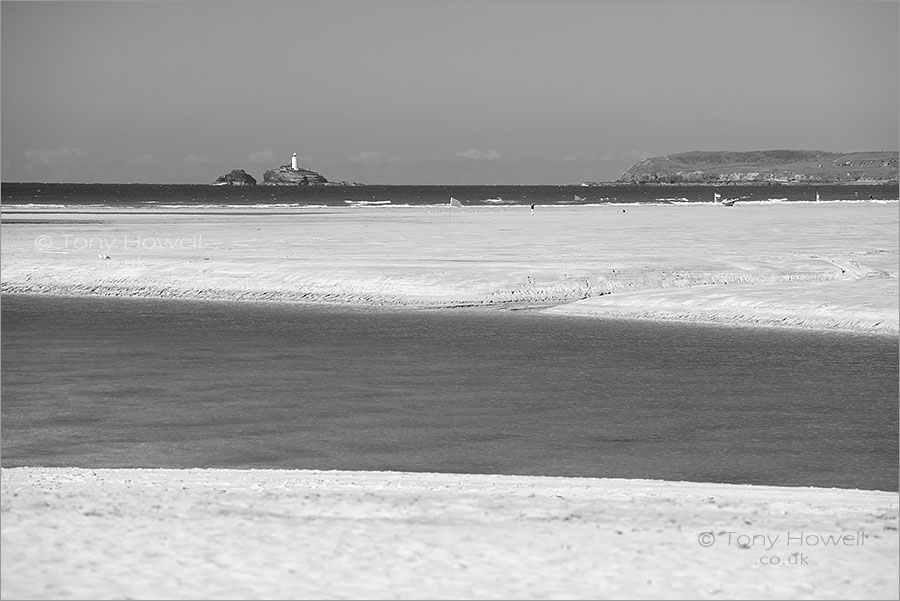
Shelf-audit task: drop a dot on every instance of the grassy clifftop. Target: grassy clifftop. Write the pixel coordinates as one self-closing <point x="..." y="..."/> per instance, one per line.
<point x="766" y="166"/>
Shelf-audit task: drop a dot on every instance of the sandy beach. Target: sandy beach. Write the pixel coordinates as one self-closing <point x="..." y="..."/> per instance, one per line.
<point x="272" y="534"/>
<point x="75" y="533"/>
<point x="828" y="266"/>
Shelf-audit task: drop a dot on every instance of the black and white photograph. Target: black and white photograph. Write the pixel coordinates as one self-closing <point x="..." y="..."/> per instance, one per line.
<point x="449" y="299"/>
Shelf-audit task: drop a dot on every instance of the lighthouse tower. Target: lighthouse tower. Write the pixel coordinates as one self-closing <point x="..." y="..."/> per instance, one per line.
<point x="295" y="163"/>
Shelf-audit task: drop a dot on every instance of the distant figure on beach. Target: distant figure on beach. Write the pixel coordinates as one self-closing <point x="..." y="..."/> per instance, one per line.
<point x="532" y="208"/>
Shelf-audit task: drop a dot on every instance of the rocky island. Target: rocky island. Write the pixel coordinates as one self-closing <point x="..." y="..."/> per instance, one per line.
<point x="292" y="175"/>
<point x="286" y="176"/>
<point x="766" y="167"/>
<point x="237" y="177"/>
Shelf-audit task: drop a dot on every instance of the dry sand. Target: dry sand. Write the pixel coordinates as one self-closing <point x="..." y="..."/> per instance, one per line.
<point x="823" y="266"/>
<point x="70" y="533"/>
<point x="272" y="534"/>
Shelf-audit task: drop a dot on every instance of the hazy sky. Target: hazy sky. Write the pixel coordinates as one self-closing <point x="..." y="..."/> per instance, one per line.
<point x="435" y="91"/>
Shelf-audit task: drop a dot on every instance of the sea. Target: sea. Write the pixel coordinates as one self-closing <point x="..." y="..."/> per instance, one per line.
<point x="123" y="382"/>
<point x="87" y="197"/>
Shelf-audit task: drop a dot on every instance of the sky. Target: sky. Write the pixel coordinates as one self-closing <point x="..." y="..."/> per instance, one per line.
<point x="447" y="92"/>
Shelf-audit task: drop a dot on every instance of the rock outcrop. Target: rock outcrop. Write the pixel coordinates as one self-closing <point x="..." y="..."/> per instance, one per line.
<point x="286" y="176"/>
<point x="237" y="177"/>
<point x="766" y="167"/>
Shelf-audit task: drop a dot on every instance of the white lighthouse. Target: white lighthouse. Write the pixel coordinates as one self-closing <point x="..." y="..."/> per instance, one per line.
<point x="295" y="163"/>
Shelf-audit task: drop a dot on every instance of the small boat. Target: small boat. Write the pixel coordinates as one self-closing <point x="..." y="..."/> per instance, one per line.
<point x="725" y="202"/>
<point x="577" y="198"/>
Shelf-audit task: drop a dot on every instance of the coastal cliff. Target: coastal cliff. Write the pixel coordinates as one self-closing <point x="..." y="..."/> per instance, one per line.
<point x="766" y="167"/>
<point x="286" y="176"/>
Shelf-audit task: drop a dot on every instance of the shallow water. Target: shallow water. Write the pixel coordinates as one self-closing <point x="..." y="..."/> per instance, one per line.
<point x="153" y="383"/>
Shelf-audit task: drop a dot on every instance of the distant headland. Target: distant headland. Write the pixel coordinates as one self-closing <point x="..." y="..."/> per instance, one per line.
<point x="766" y="167"/>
